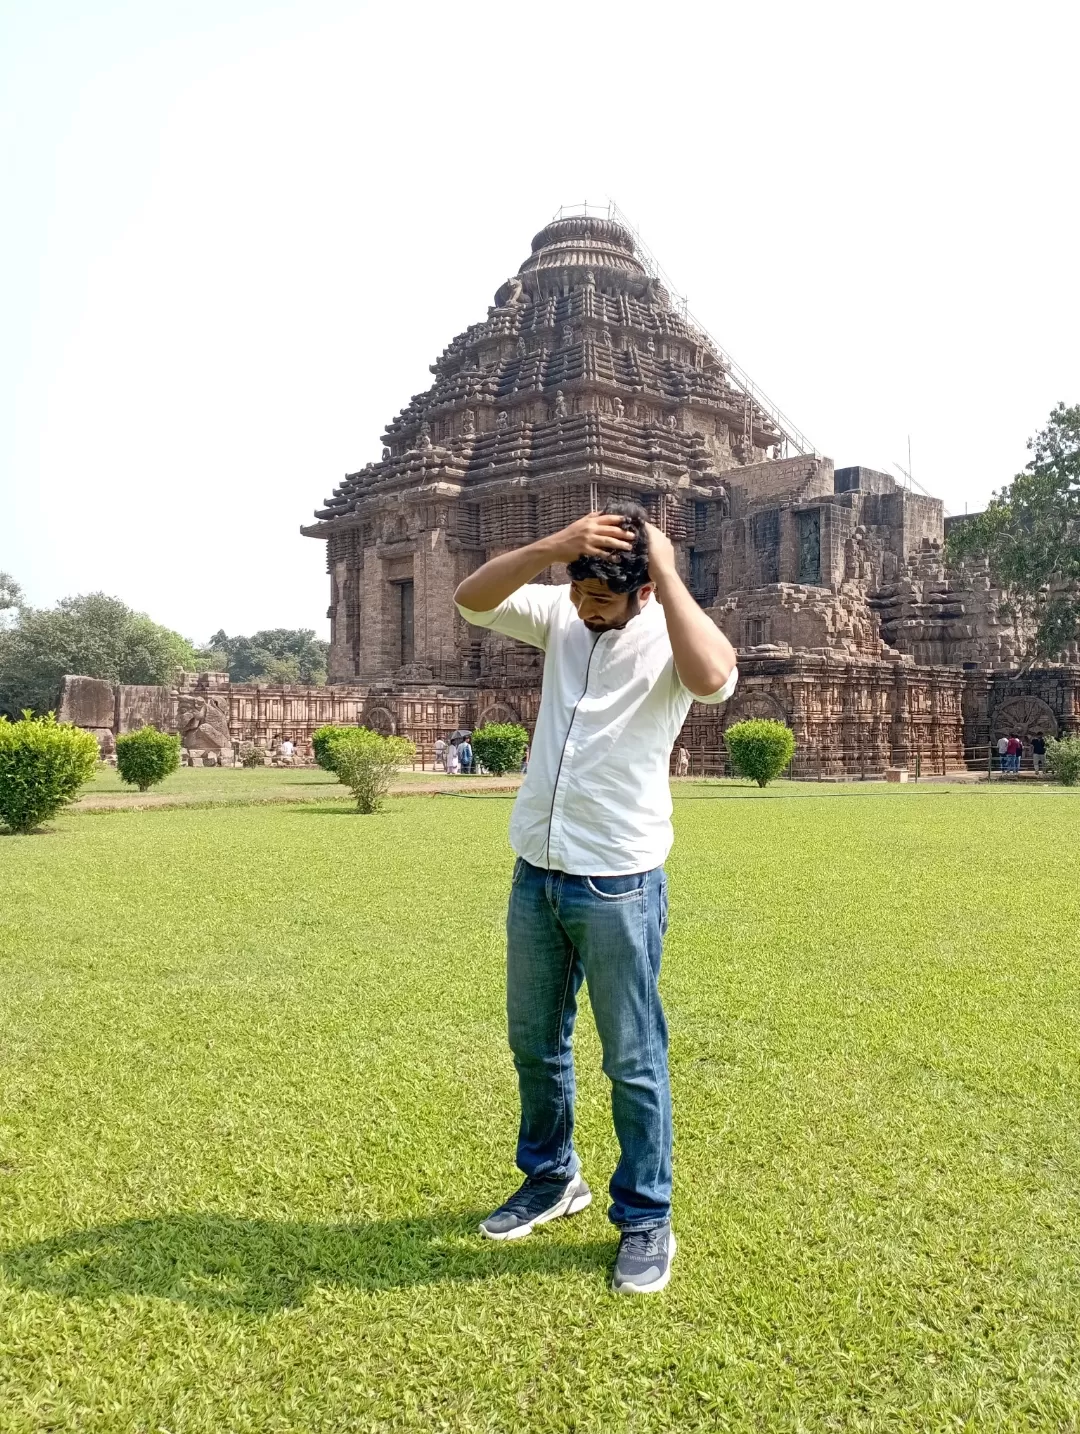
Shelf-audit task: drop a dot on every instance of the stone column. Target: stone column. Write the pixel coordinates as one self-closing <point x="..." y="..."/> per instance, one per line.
<point x="435" y="617"/>
<point x="901" y="747"/>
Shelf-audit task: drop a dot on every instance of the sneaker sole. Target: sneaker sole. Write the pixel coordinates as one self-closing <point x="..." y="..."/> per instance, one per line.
<point x="565" y="1207"/>
<point x="656" y="1286"/>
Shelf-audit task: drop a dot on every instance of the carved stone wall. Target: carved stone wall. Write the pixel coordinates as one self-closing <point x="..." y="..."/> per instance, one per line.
<point x="851" y="716"/>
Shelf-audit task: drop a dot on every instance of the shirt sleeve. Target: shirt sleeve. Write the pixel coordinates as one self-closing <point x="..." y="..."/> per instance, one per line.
<point x="714" y="697"/>
<point x="525" y="614"/>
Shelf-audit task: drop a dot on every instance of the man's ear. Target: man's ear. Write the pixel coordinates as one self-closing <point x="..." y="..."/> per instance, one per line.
<point x="646" y="591"/>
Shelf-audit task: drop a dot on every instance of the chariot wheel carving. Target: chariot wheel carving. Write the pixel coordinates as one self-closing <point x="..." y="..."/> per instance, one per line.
<point x="1024" y="716"/>
<point x="754" y="703"/>
<point x="498" y="712"/>
<point x="381" y="720"/>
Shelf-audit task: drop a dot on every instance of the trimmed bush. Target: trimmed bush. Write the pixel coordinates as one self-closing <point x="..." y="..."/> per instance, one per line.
<point x="323" y="741"/>
<point x="1063" y="760"/>
<point x="500" y="747"/>
<point x="250" y="755"/>
<point x="146" y="757"/>
<point x="365" y="762"/>
<point x="759" y="749"/>
<point x="43" y="763"/>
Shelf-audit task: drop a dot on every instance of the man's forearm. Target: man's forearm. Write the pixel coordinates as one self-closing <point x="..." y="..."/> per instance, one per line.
<point x="704" y="658"/>
<point x="495" y="580"/>
<point x="595" y="535"/>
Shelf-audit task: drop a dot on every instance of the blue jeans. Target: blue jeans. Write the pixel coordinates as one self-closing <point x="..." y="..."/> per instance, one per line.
<point x="608" y="931"/>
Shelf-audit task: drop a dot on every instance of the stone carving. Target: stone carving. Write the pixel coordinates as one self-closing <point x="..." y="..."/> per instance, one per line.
<point x="516" y="291"/>
<point x="567" y="335"/>
<point x="203" y="721"/>
<point x="590" y="279"/>
<point x="1025" y="717"/>
<point x="503" y="420"/>
<point x="560" y="404"/>
<point x="468" y="423"/>
<point x="522" y="349"/>
<point x="650" y="346"/>
<point x="386" y="455"/>
<point x="424" y="440"/>
<point x="618" y="409"/>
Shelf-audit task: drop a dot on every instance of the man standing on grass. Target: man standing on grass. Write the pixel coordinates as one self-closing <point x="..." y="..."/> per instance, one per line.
<point x="626" y="651"/>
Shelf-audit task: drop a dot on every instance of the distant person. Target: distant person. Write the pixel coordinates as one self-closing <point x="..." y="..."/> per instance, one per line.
<point x="682" y="761"/>
<point x="453" y="762"/>
<point x="1038" y="752"/>
<point x="465" y="756"/>
<point x="287" y="749"/>
<point x="440" y="754"/>
<point x="591" y="828"/>
<point x="1003" y="753"/>
<point x="1014" y="749"/>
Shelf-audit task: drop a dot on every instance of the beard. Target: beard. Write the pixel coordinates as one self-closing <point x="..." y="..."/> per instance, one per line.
<point x="633" y="607"/>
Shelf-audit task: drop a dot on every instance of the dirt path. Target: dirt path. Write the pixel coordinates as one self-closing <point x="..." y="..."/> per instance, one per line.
<point x="133" y="801"/>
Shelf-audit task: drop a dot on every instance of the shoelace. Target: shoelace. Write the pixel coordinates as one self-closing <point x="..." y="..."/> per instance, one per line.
<point x="641" y="1244"/>
<point x="523" y="1199"/>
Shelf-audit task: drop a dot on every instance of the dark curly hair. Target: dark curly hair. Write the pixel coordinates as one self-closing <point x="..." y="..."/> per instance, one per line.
<point x="624" y="572"/>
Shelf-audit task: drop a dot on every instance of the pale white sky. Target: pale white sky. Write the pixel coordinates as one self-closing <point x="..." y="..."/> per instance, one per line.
<point x="237" y="233"/>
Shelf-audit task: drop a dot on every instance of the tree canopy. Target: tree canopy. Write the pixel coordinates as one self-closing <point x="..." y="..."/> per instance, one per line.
<point x="1030" y="532"/>
<point x="93" y="635"/>
<point x="276" y="654"/>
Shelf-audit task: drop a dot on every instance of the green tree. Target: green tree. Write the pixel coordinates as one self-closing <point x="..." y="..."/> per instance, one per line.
<point x="1030" y="532"/>
<point x="11" y="595"/>
<point x="43" y="763"/>
<point x="92" y="635"/>
<point x="365" y="762"/>
<point x="146" y="756"/>
<point x="759" y="749"/>
<point x="500" y="746"/>
<point x="275" y="654"/>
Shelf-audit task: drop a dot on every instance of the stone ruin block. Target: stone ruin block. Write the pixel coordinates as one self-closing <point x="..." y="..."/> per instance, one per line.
<point x="143" y="706"/>
<point x="89" y="702"/>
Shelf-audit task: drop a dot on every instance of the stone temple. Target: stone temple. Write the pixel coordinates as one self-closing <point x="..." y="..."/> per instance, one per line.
<point x="587" y="381"/>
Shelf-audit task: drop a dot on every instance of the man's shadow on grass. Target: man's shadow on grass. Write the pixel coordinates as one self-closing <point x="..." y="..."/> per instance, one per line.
<point x="224" y="1262"/>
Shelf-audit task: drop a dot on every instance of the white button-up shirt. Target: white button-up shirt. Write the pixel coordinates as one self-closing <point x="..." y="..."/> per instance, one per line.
<point x="596" y="800"/>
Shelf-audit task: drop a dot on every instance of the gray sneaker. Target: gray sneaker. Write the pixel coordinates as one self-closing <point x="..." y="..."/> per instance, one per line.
<point x="644" y="1261"/>
<point x="537" y="1202"/>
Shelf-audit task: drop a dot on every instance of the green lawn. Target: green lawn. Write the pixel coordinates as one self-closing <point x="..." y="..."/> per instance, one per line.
<point x="255" y="1095"/>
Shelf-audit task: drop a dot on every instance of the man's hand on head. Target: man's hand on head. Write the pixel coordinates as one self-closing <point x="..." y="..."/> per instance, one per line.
<point x="597" y="535"/>
<point x="661" y="554"/>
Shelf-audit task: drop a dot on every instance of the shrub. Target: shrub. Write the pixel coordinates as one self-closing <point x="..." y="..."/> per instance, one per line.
<point x="323" y="741"/>
<point x="43" y="764"/>
<point x="759" y="749"/>
<point x="365" y="762"/>
<point x="1063" y="760"/>
<point x="146" y="757"/>
<point x="500" y="746"/>
<point x="250" y="755"/>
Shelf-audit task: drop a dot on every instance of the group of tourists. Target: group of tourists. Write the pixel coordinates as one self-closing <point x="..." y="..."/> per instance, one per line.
<point x="1011" y="753"/>
<point x="455" y="757"/>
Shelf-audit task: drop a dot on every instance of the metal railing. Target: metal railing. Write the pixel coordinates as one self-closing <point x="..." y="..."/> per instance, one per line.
<point x="792" y="436"/>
